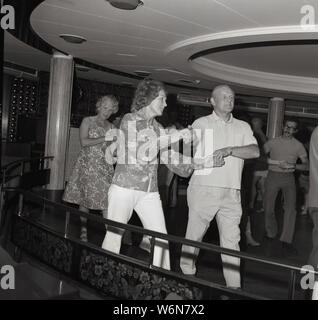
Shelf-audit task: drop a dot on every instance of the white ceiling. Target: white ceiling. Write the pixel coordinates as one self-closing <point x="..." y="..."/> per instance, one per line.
<point x="161" y="36"/>
<point x="294" y="60"/>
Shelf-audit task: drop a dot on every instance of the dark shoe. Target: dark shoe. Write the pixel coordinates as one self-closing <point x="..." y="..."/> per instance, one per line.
<point x="250" y="240"/>
<point x="289" y="250"/>
<point x="268" y="239"/>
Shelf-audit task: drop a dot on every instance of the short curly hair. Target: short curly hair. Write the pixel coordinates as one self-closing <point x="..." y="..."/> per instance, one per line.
<point x="147" y="90"/>
<point x="110" y="101"/>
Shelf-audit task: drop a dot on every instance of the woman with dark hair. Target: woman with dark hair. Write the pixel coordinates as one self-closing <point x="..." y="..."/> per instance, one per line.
<point x="135" y="185"/>
<point x="92" y="174"/>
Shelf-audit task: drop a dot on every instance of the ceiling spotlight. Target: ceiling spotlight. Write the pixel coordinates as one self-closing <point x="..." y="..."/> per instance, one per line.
<point x="71" y="38"/>
<point x="126" y="4"/>
<point x="189" y="81"/>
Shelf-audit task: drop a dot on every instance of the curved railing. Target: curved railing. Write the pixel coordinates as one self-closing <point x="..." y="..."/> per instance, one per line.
<point x="20" y="166"/>
<point x="19" y="169"/>
<point x="24" y="173"/>
<point x="89" y="251"/>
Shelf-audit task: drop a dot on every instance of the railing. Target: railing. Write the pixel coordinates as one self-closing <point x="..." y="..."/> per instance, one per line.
<point x="293" y="269"/>
<point x="18" y="170"/>
<point x="43" y="164"/>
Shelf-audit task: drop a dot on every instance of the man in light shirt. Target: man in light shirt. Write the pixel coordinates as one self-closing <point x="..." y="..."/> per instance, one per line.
<point x="215" y="192"/>
<point x="283" y="153"/>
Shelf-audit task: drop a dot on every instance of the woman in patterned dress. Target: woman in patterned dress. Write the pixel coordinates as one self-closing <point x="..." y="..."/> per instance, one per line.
<point x="92" y="174"/>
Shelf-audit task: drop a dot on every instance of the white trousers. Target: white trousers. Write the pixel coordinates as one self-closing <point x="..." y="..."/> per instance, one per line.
<point x="121" y="203"/>
<point x="315" y="291"/>
<point x="205" y="203"/>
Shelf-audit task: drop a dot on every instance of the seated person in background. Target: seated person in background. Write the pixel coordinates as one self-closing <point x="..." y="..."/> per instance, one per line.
<point x="283" y="153"/>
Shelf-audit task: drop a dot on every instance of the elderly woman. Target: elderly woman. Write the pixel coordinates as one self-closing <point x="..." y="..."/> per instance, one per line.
<point x="135" y="185"/>
<point x="92" y="174"/>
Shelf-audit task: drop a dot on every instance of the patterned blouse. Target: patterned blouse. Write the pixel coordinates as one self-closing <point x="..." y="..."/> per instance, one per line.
<point x="139" y="174"/>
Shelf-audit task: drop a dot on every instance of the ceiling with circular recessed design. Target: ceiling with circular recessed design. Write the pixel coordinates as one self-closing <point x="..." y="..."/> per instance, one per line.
<point x="252" y="44"/>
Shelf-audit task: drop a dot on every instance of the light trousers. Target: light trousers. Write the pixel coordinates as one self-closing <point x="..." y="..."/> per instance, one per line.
<point x="121" y="203"/>
<point x="205" y="203"/>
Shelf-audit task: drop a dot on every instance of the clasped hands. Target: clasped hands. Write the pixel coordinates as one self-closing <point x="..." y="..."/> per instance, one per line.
<point x="286" y="165"/>
<point x="214" y="160"/>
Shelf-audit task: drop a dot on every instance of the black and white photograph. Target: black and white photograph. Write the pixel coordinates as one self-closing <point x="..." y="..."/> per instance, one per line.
<point x="159" y="155"/>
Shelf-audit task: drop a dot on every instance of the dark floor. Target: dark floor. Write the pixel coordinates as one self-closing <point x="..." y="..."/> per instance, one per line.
<point x="264" y="280"/>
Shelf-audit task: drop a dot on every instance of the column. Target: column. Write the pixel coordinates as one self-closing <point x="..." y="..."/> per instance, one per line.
<point x="58" y="117"/>
<point x="275" y="117"/>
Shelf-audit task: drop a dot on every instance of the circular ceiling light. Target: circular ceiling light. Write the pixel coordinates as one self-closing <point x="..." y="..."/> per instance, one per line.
<point x="126" y="4"/>
<point x="72" y="38"/>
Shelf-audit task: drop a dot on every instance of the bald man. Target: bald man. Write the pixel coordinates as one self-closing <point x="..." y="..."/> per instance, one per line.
<point x="216" y="192"/>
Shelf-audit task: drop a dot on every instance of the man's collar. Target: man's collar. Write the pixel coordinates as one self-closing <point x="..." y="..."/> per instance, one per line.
<point x="217" y="118"/>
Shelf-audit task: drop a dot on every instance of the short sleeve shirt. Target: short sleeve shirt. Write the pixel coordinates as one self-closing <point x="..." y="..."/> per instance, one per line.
<point x="132" y="173"/>
<point x="220" y="134"/>
<point x="284" y="149"/>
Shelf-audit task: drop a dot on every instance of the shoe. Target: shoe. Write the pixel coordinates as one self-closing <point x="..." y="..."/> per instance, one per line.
<point x="127" y="238"/>
<point x="289" y="250"/>
<point x="268" y="239"/>
<point x="250" y="240"/>
<point x="83" y="234"/>
<point x="145" y="245"/>
<point x="259" y="206"/>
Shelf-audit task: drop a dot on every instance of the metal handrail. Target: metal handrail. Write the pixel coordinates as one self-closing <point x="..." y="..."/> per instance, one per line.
<point x="140" y="263"/>
<point x="202" y="245"/>
<point x="23" y="161"/>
